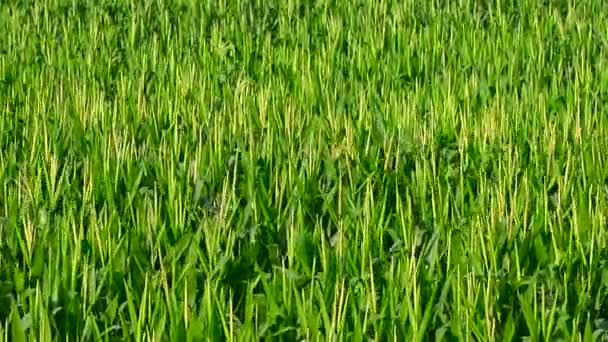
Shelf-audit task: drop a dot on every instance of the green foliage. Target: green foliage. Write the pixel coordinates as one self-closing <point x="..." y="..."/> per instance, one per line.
<point x="289" y="170"/>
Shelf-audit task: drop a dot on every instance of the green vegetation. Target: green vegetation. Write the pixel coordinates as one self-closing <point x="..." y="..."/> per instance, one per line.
<point x="288" y="170"/>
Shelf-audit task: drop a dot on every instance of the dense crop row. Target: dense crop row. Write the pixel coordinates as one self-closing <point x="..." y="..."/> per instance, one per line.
<point x="320" y="170"/>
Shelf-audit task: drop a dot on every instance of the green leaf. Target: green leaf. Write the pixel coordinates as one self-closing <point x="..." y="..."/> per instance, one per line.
<point x="509" y="331"/>
<point x="38" y="261"/>
<point x="17" y="329"/>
